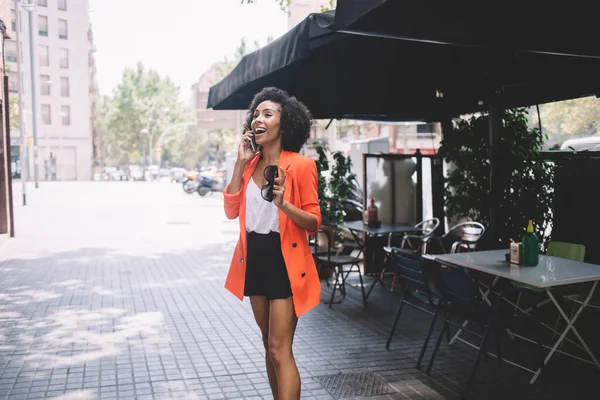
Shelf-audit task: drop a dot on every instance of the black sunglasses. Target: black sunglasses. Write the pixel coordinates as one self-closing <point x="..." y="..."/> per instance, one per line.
<point x="270" y="174"/>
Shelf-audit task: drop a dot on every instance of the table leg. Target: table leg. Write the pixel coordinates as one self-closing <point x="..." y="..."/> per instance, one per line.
<point x="570" y="326"/>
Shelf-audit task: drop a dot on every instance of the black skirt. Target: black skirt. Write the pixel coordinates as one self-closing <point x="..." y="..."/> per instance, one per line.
<point x="266" y="274"/>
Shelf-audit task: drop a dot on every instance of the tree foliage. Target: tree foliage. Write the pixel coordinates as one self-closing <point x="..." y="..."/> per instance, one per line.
<point x="528" y="192"/>
<point x="568" y="119"/>
<point x="284" y="4"/>
<point x="13" y="104"/>
<point x="143" y="100"/>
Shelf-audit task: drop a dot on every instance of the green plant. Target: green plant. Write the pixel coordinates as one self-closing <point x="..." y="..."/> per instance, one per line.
<point x="335" y="193"/>
<point x="528" y="192"/>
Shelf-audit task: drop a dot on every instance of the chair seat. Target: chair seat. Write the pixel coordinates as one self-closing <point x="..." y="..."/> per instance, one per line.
<point x="319" y="250"/>
<point x="340" y="260"/>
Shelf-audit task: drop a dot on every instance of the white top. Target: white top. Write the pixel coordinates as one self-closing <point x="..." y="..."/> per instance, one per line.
<point x="550" y="271"/>
<point x="261" y="216"/>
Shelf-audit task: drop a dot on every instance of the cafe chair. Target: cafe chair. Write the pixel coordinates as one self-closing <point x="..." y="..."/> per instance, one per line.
<point x="462" y="300"/>
<point x="465" y="236"/>
<point x="419" y="242"/>
<point x="418" y="291"/>
<point x="343" y="264"/>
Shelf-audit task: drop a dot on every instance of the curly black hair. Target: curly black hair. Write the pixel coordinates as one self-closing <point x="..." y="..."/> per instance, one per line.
<point x="295" y="121"/>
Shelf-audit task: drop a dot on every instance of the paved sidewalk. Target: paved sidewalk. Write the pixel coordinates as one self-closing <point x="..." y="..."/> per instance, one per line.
<point x="116" y="291"/>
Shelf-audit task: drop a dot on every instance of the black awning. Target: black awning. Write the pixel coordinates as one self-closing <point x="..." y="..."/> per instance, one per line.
<point x="531" y="25"/>
<point x="341" y="74"/>
<point x="272" y="64"/>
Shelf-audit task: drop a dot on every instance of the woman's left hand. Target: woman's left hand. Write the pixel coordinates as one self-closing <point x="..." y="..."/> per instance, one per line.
<point x="279" y="189"/>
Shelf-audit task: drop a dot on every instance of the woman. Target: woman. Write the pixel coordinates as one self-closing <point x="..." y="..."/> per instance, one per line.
<point x="274" y="194"/>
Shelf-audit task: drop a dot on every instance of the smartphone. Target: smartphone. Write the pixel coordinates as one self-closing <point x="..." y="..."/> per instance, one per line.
<point x="253" y="144"/>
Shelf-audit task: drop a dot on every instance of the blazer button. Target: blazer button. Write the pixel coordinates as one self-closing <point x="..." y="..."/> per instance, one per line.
<point x="303" y="274"/>
<point x="241" y="260"/>
<point x="294" y="244"/>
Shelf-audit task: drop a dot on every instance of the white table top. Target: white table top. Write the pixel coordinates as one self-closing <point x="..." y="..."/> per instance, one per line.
<point x="551" y="271"/>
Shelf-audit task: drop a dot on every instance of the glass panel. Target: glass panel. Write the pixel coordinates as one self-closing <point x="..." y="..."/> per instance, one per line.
<point x="62" y="29"/>
<point x="43" y="25"/>
<point x="65" y="115"/>
<point x="45" y="85"/>
<point x="44" y="56"/>
<point x="46" y="117"/>
<point x="64" y="58"/>
<point x="64" y="87"/>
<point x="381" y="182"/>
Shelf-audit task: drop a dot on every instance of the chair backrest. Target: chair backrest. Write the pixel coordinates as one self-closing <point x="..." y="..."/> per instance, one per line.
<point x="468" y="232"/>
<point x="459" y="289"/>
<point x="428" y="226"/>
<point x="411" y="271"/>
<point x="570" y="251"/>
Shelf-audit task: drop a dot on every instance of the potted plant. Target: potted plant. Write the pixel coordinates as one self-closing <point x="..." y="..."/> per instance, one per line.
<point x="338" y="190"/>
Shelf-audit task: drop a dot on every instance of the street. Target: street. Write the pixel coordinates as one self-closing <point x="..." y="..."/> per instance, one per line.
<point x="115" y="290"/>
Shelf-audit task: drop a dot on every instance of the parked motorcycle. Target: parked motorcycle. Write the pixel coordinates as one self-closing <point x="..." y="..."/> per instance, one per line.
<point x="208" y="184"/>
<point x="201" y="182"/>
<point x="190" y="182"/>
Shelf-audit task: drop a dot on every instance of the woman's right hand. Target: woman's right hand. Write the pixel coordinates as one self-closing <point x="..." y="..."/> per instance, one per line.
<point x="245" y="152"/>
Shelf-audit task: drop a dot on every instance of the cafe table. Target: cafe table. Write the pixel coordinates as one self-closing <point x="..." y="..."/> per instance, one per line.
<point x="358" y="228"/>
<point x="551" y="272"/>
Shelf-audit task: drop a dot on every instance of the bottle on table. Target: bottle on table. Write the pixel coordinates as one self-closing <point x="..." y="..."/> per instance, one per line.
<point x="531" y="247"/>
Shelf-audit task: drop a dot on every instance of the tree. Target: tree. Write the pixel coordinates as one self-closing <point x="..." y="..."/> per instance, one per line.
<point x="13" y="104"/>
<point x="528" y="179"/>
<point x="284" y="4"/>
<point x="568" y="119"/>
<point x="143" y="100"/>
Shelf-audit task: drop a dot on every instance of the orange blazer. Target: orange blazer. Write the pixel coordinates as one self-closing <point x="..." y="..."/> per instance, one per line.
<point x="301" y="186"/>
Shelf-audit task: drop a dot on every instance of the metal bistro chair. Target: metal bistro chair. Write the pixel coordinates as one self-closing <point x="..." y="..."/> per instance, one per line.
<point x="417" y="287"/>
<point x="343" y="264"/>
<point x="462" y="300"/>
<point x="468" y="233"/>
<point x="428" y="228"/>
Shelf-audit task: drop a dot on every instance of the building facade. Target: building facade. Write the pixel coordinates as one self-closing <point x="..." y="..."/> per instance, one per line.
<point x="5" y="162"/>
<point x="63" y="80"/>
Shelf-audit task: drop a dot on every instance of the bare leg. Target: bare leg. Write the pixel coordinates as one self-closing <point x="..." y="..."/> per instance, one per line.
<point x="260" y="308"/>
<point x="282" y="325"/>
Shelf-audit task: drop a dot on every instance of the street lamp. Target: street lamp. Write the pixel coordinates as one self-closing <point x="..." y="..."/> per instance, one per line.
<point x="29" y="6"/>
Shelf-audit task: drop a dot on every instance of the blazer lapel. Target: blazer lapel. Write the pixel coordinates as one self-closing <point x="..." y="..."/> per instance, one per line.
<point x="246" y="176"/>
<point x="284" y="162"/>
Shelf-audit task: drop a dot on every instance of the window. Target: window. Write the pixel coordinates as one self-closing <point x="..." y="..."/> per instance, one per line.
<point x="64" y="86"/>
<point x="45" y="85"/>
<point x="11" y="55"/>
<point x="13" y="20"/>
<point x="64" y="58"/>
<point x="425" y="131"/>
<point x="43" y="25"/>
<point x="65" y="115"/>
<point x="42" y="3"/>
<point x="44" y="56"/>
<point x="46" y="116"/>
<point x="62" y="28"/>
<point x="13" y="82"/>
<point x="62" y="5"/>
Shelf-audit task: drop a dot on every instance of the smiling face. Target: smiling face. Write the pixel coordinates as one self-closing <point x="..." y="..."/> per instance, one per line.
<point x="266" y="123"/>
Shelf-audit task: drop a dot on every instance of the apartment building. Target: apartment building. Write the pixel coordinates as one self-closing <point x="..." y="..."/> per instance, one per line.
<point x="63" y="81"/>
<point x="5" y="176"/>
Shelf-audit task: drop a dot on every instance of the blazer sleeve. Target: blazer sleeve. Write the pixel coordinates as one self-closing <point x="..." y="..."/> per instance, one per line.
<point x="308" y="186"/>
<point x="231" y="202"/>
